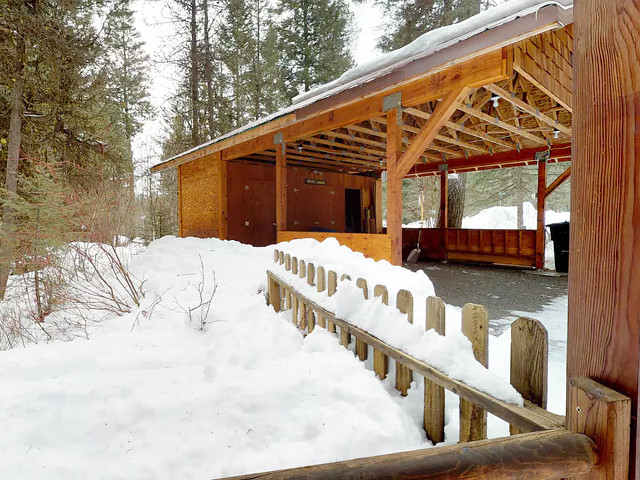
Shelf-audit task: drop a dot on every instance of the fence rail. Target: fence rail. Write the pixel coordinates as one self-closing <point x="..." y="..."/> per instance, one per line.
<point x="541" y="455"/>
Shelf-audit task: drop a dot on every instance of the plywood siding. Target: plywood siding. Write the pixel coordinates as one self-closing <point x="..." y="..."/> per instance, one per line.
<point x="199" y="188"/>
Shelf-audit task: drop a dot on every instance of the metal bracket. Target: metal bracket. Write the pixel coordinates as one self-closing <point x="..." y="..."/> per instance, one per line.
<point x="443" y="167"/>
<point x="278" y="138"/>
<point x="543" y="156"/>
<point x="392" y="101"/>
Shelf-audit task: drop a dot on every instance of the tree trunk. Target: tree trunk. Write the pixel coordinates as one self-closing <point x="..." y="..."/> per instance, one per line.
<point x="193" y="76"/>
<point x="519" y="197"/>
<point x="13" y="161"/>
<point x="208" y="72"/>
<point x="456" y="197"/>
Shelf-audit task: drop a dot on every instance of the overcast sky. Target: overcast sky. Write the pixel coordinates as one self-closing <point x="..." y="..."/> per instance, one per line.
<point x="153" y="22"/>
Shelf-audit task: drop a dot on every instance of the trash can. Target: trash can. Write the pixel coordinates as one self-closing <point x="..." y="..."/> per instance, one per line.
<point x="560" y="237"/>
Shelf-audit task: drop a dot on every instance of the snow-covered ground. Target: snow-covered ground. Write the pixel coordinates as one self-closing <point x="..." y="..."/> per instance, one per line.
<point x="507" y="218"/>
<point x="176" y="390"/>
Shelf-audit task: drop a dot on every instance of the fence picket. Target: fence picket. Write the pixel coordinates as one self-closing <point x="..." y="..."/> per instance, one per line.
<point x="361" y="347"/>
<point x="345" y="337"/>
<point x="288" y="296"/>
<point x="404" y="376"/>
<point x="309" y="315"/>
<point x="300" y="316"/>
<point x="434" y="394"/>
<point x="332" y="286"/>
<point x="276" y="256"/>
<point x="529" y="357"/>
<point x="281" y="257"/>
<point x="475" y="326"/>
<point x="380" y="360"/>
<point x="321" y="284"/>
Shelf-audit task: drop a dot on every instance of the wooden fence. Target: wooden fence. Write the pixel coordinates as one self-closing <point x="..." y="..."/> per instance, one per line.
<point x="528" y="353"/>
<point x="547" y="451"/>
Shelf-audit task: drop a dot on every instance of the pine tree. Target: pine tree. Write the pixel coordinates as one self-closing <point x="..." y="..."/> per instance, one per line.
<point x="314" y="37"/>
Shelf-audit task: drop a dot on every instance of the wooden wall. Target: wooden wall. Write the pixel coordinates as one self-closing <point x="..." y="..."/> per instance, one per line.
<point x="198" y="186"/>
<point x="376" y="246"/>
<point x="251" y="201"/>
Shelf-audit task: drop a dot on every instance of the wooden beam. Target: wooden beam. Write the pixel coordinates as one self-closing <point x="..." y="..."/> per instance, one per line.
<point x="604" y="264"/>
<point x="502" y="159"/>
<point x="543" y="456"/>
<point x="558" y="181"/>
<point x="394" y="184"/>
<point x="504" y="125"/>
<point x="459" y="128"/>
<point x="441" y="114"/>
<point x="525" y="107"/>
<point x="281" y="184"/>
<point x="540" y="226"/>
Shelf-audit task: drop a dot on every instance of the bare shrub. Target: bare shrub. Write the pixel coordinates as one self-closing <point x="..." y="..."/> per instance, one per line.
<point x="198" y="314"/>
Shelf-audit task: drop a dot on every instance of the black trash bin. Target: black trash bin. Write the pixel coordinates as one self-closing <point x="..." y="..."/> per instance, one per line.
<point x="560" y="237"/>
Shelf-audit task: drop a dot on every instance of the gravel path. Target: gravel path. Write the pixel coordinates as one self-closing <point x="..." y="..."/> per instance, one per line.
<point x="501" y="290"/>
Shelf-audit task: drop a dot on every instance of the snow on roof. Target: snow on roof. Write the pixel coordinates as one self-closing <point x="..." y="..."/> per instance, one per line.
<point x="425" y="45"/>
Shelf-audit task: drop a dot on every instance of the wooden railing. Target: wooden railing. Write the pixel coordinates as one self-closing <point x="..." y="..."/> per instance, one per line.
<point x="549" y="451"/>
<point x="504" y="247"/>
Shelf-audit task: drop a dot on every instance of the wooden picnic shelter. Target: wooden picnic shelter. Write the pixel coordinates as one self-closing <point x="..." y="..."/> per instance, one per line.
<point x="497" y="95"/>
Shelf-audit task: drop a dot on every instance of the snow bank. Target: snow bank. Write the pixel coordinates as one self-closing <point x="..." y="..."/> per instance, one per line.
<point x="152" y="396"/>
<point x="507" y="218"/>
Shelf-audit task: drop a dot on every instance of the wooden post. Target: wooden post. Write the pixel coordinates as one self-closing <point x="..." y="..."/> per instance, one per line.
<point x="380" y="360"/>
<point x="529" y="362"/>
<point x="475" y="325"/>
<point x="300" y="316"/>
<point x="378" y="205"/>
<point x="404" y="376"/>
<point x="433" y="394"/>
<point x="361" y="347"/>
<point x="222" y="197"/>
<point x="321" y="285"/>
<point x="604" y="264"/>
<point x="332" y="286"/>
<point x="311" y="277"/>
<point x="604" y="415"/>
<point x="394" y="182"/>
<point x="540" y="227"/>
<point x="281" y="182"/>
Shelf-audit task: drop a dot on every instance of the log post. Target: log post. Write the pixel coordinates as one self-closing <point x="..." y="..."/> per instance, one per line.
<point x="540" y="228"/>
<point x="433" y="394"/>
<point x="604" y="264"/>
<point x="394" y="179"/>
<point x="475" y="325"/>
